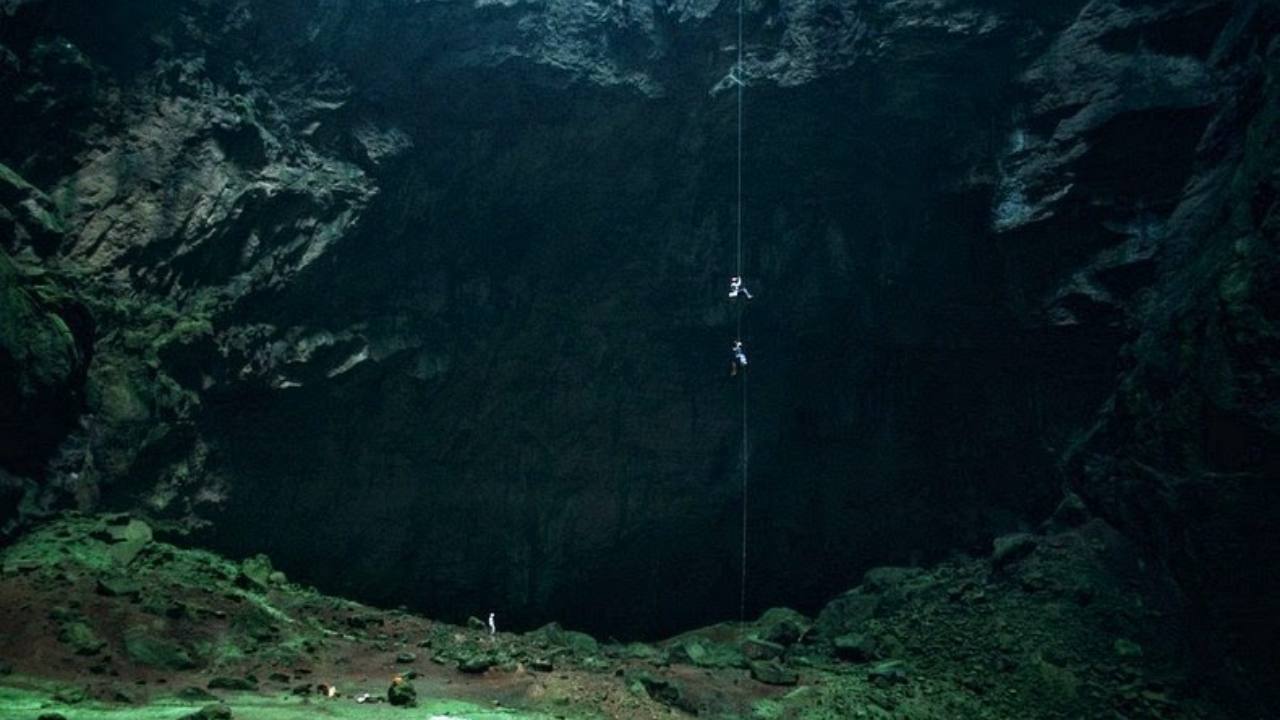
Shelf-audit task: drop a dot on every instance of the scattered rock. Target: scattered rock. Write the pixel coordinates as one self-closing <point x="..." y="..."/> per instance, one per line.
<point x="663" y="690"/>
<point x="232" y="683"/>
<point x="885" y="579"/>
<point x="118" y="586"/>
<point x="783" y="626"/>
<point x="1127" y="649"/>
<point x="361" y="622"/>
<point x="579" y="642"/>
<point x="81" y="638"/>
<point x="402" y="694"/>
<point x="847" y="613"/>
<point x="704" y="653"/>
<point x="195" y="694"/>
<point x="122" y="696"/>
<point x="145" y="648"/>
<point x="255" y="573"/>
<point x="210" y="712"/>
<point x="405" y="658"/>
<point x="771" y="672"/>
<point x="757" y="649"/>
<point x="476" y="663"/>
<point x="129" y="539"/>
<point x="1070" y="513"/>
<point x="71" y="696"/>
<point x="1009" y="549"/>
<point x="889" y="672"/>
<point x="855" y="647"/>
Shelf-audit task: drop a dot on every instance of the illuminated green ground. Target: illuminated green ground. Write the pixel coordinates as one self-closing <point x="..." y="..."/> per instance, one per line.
<point x="38" y="699"/>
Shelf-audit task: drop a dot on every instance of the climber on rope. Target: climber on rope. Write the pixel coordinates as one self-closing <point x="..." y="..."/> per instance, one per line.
<point x="739" y="357"/>
<point x="736" y="288"/>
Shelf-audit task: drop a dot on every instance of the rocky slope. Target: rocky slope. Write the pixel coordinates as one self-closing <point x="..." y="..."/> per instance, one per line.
<point x="435" y="289"/>
<point x="101" y="621"/>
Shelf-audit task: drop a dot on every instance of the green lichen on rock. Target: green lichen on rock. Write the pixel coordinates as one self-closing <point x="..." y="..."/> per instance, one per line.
<point x="77" y="635"/>
<point x="35" y="341"/>
<point x="42" y="367"/>
<point x="29" y="221"/>
<point x="149" y="647"/>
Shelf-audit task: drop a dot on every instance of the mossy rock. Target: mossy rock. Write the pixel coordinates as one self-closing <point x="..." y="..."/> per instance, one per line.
<point x="476" y="663"/>
<point x="772" y="672"/>
<point x="144" y="647"/>
<point x="81" y="638"/>
<point x="704" y="653"/>
<point x="256" y="624"/>
<point x="402" y="694"/>
<point x="855" y="647"/>
<point x="233" y="683"/>
<point x="118" y="586"/>
<point x="129" y="540"/>
<point x="210" y="712"/>
<point x="578" y="642"/>
<point x="663" y="690"/>
<point x="783" y="626"/>
<point x="255" y="573"/>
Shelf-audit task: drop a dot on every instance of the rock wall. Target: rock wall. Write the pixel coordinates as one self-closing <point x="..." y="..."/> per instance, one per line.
<point x="426" y="300"/>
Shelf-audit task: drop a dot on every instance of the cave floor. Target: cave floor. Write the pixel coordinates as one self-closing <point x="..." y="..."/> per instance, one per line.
<point x="99" y="621"/>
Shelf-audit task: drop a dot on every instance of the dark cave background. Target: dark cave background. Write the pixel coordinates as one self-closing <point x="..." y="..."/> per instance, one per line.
<point x="427" y="301"/>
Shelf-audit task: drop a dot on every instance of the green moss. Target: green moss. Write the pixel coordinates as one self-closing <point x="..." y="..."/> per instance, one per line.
<point x="146" y="646"/>
<point x="81" y="638"/>
<point x="9" y="177"/>
<point x="34" y="338"/>
<point x="31" y="698"/>
<point x="116" y="397"/>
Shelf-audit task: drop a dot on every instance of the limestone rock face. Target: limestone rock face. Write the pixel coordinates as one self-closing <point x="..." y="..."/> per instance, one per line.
<point x="425" y="300"/>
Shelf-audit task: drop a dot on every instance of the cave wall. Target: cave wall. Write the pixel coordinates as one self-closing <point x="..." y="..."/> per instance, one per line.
<point x="426" y="300"/>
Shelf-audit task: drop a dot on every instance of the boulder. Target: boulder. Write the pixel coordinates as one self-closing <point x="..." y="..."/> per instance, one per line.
<point x="855" y="647"/>
<point x="889" y="672"/>
<point x="402" y="694"/>
<point x="210" y="712"/>
<point x="144" y="647"/>
<point x="128" y="540"/>
<point x="847" y="613"/>
<point x="754" y="648"/>
<point x="81" y="638"/>
<point x="663" y="690"/>
<point x="783" y="626"/>
<point x="476" y="663"/>
<point x="771" y="672"/>
<point x="118" y="586"/>
<point x="255" y="573"/>
<point x="233" y="683"/>
<point x="1009" y="549"/>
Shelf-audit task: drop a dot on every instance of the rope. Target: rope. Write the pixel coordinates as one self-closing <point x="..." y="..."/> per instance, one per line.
<point x="739" y="74"/>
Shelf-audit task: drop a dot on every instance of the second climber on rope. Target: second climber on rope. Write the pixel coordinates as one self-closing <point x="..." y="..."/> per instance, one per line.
<point x="739" y="358"/>
<point x="736" y="288"/>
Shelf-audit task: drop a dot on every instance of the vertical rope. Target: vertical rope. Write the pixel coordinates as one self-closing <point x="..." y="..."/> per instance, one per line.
<point x="740" y="74"/>
<point x="742" y="588"/>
